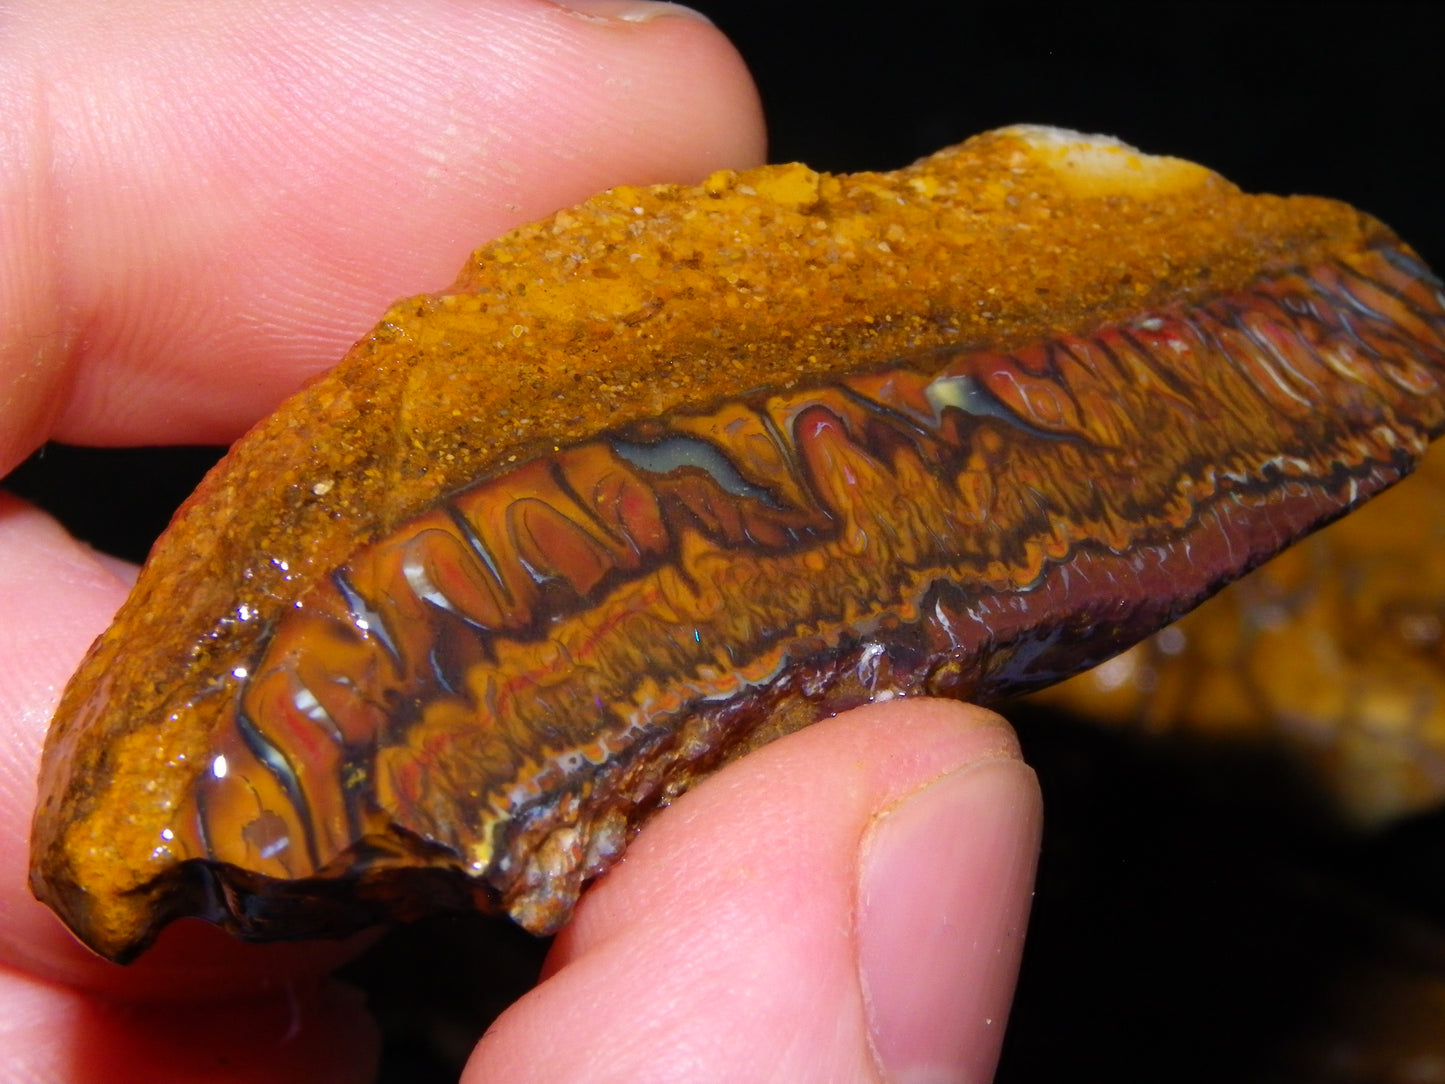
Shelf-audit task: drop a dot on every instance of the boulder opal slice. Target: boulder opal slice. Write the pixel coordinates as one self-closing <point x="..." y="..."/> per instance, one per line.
<point x="680" y="470"/>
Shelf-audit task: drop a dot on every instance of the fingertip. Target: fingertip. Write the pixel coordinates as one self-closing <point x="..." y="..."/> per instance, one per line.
<point x="945" y="884"/>
<point x="631" y="11"/>
<point x="232" y="198"/>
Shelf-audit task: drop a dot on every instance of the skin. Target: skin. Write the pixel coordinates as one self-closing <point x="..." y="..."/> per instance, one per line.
<point x="190" y="226"/>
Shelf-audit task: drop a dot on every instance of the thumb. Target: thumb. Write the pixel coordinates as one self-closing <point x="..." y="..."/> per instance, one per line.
<point x="850" y="901"/>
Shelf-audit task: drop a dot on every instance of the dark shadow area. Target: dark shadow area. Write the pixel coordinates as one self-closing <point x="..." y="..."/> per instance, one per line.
<point x="1199" y="918"/>
<point x="116" y="499"/>
<point x="437" y="983"/>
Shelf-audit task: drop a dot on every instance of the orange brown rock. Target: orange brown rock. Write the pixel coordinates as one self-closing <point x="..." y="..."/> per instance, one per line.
<point x="682" y="469"/>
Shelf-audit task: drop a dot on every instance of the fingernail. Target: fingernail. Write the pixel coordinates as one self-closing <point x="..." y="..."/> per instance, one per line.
<point x="631" y="11"/>
<point x="944" y="889"/>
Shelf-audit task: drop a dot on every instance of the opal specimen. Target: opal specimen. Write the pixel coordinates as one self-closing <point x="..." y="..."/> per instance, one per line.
<point x="680" y="470"/>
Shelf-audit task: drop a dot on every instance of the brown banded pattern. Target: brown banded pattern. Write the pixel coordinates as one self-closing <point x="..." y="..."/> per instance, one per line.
<point x="494" y="658"/>
<point x="460" y="661"/>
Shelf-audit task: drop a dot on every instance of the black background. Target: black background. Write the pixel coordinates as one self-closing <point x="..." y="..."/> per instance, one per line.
<point x="1189" y="925"/>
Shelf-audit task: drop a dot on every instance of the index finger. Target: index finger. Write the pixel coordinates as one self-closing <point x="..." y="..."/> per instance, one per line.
<point x="204" y="212"/>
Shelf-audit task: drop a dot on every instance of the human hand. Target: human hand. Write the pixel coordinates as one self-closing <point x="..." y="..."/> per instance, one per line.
<point x="202" y="207"/>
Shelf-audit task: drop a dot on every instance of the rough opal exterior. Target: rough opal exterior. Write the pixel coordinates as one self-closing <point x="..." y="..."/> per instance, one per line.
<point x="681" y="470"/>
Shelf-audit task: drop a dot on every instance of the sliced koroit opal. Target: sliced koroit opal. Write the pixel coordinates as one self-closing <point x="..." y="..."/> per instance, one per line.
<point x="682" y="469"/>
